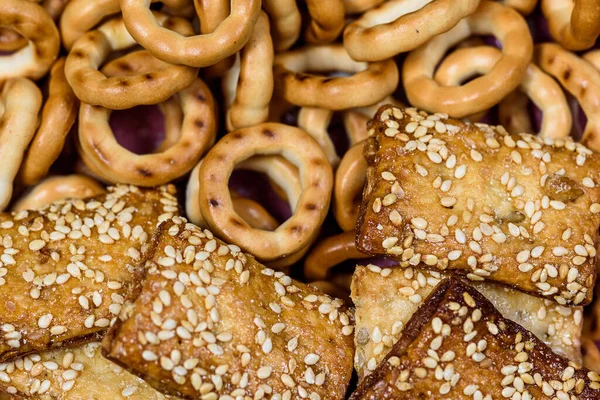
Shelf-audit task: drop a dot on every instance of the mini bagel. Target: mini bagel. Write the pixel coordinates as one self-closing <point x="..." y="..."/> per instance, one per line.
<point x="350" y="179"/>
<point x="330" y="252"/>
<point x="117" y="93"/>
<point x="58" y="116"/>
<point x="575" y="24"/>
<point x="545" y="93"/>
<point x="250" y="81"/>
<point x="105" y="157"/>
<point x="56" y="188"/>
<point x="316" y="177"/>
<point x="286" y="22"/>
<point x="195" y="51"/>
<point x="482" y="93"/>
<point x="399" y="26"/>
<point x="33" y="23"/>
<point x="20" y="103"/>
<point x="327" y="21"/>
<point x="370" y="83"/>
<point x="82" y="16"/>
<point x="281" y="172"/>
<point x="579" y="78"/>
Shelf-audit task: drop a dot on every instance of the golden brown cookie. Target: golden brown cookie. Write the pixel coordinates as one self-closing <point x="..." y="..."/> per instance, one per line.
<point x="473" y="200"/>
<point x="211" y="321"/>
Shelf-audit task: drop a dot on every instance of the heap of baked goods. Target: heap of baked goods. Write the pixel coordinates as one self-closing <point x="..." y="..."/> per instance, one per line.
<point x="280" y="199"/>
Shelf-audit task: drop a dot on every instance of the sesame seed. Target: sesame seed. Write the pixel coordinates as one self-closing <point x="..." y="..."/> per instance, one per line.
<point x="44" y="321"/>
<point x="311" y="359"/>
<point x="419" y="223"/>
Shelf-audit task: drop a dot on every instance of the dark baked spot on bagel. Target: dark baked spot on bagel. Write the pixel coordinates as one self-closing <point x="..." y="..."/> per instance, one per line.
<point x="302" y="77"/>
<point x="269" y="133"/>
<point x="214" y="203"/>
<point x="77" y="54"/>
<point x="124" y="67"/>
<point x="316" y="161"/>
<point x="327" y="80"/>
<point x="236" y="135"/>
<point x="123" y="82"/>
<point x="201" y="97"/>
<point x="199" y="123"/>
<point x="149" y="77"/>
<point x="310" y="206"/>
<point x="567" y="74"/>
<point x="296" y="228"/>
<point x="144" y="172"/>
<point x="236" y="222"/>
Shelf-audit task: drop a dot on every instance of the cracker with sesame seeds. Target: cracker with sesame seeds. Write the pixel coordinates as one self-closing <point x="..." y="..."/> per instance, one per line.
<point x="471" y="199"/>
<point x="66" y="269"/>
<point x="210" y="321"/>
<point x="386" y="298"/>
<point x="72" y="374"/>
<point x="458" y="346"/>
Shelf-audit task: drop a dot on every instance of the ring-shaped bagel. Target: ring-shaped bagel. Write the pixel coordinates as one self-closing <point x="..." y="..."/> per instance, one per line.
<point x="508" y="26"/>
<point x="281" y="172"/>
<point x="31" y="21"/>
<point x="399" y="26"/>
<point x="542" y="89"/>
<point x="196" y="51"/>
<point x="117" y="93"/>
<point x="370" y="82"/>
<point x="107" y="158"/>
<point x="316" y="177"/>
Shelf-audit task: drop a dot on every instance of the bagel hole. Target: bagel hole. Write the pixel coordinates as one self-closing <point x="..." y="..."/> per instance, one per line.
<point x="140" y="129"/>
<point x="258" y="187"/>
